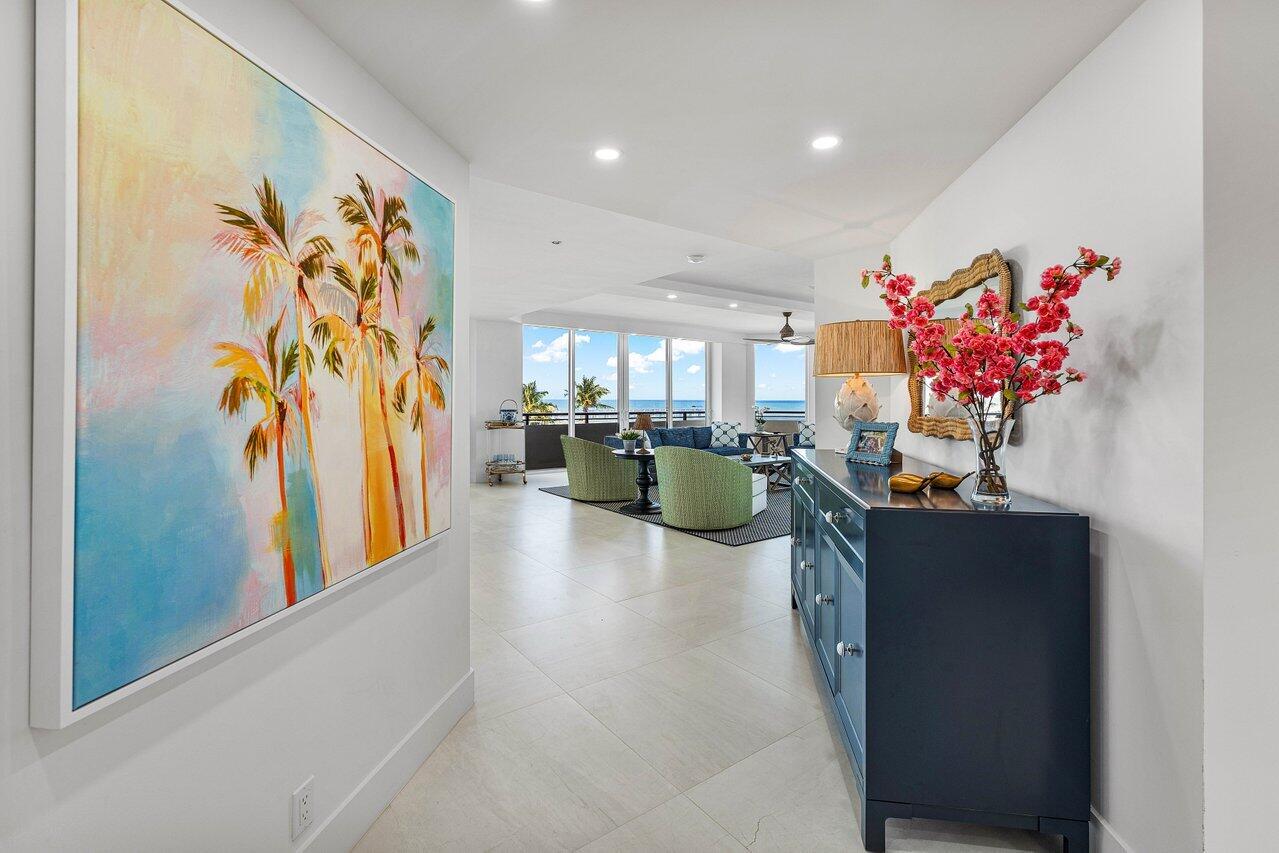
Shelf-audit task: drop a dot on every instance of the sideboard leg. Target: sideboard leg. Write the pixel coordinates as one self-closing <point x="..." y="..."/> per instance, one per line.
<point x="875" y="814"/>
<point x="793" y="604"/>
<point x="1074" y="833"/>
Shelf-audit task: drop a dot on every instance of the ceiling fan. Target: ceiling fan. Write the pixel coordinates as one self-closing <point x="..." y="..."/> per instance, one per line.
<point x="786" y="335"/>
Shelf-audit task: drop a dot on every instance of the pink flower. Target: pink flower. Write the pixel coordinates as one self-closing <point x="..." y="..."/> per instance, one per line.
<point x="993" y="352"/>
<point x="989" y="304"/>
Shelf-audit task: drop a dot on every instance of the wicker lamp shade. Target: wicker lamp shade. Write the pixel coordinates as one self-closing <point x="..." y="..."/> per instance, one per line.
<point x="868" y="347"/>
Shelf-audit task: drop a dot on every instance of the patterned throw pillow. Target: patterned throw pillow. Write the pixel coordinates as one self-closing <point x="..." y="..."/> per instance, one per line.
<point x="724" y="434"/>
<point x="807" y="434"/>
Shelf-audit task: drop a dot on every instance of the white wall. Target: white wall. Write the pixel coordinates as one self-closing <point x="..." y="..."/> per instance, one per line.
<point x="208" y="759"/>
<point x="737" y="372"/>
<point x="498" y="370"/>
<point x="1112" y="157"/>
<point x="1241" y="587"/>
<point x="840" y="296"/>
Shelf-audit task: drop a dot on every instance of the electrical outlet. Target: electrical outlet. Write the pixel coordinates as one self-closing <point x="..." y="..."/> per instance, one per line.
<point x="303" y="807"/>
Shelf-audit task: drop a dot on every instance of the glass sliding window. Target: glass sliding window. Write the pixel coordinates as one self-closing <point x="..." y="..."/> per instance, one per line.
<point x="545" y="395"/>
<point x="595" y="386"/>
<point x="688" y="382"/>
<point x="646" y="375"/>
<point x="546" y="373"/>
<point x="780" y="382"/>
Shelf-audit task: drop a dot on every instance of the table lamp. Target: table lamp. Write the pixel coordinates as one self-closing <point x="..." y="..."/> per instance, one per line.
<point x="856" y="349"/>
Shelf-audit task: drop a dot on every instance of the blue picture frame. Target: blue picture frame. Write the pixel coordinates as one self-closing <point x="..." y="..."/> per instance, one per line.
<point x="872" y="433"/>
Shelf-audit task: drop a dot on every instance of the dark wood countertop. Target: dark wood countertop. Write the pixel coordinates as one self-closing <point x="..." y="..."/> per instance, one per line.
<point x="868" y="486"/>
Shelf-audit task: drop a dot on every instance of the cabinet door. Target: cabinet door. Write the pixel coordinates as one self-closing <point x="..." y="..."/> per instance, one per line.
<point x="806" y="568"/>
<point x="826" y="607"/>
<point x="850" y="653"/>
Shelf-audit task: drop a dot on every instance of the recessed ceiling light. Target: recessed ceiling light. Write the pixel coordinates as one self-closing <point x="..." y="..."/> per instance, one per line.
<point x="556" y="242"/>
<point x="825" y="143"/>
<point x="732" y="305"/>
<point x="672" y="296"/>
<point x="694" y="259"/>
<point x="607" y="154"/>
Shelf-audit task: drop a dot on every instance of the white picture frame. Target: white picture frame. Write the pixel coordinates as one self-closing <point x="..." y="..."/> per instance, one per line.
<point x="55" y="376"/>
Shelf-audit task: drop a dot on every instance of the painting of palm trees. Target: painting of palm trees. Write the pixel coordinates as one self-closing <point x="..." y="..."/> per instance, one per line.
<point x="282" y="255"/>
<point x="382" y="237"/>
<point x="423" y="383"/>
<point x="264" y="348"/>
<point x="266" y="374"/>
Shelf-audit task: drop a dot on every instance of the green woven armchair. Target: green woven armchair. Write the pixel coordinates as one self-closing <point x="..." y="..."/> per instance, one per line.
<point x="702" y="491"/>
<point x="595" y="474"/>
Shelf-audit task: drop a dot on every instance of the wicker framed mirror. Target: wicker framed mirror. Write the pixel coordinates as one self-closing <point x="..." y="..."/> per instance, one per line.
<point x="944" y="419"/>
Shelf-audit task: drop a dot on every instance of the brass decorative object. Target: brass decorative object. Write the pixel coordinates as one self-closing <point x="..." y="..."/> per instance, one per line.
<point x="909" y="484"/>
<point x="982" y="269"/>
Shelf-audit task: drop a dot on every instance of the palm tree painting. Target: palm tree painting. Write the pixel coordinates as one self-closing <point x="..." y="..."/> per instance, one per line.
<point x="382" y="237"/>
<point x="266" y="373"/>
<point x="423" y="382"/>
<point x="264" y="348"/>
<point x="283" y="255"/>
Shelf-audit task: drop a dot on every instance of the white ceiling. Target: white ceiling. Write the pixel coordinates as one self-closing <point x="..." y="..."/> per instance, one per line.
<point x="713" y="103"/>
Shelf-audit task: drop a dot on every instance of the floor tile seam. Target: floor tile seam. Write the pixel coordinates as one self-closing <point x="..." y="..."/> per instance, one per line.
<point x="767" y="681"/>
<point x="618" y="673"/>
<point x="678" y="791"/>
<point x="505" y="631"/>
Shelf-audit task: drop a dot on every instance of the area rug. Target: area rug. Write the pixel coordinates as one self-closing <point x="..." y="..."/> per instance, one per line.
<point x="774" y="521"/>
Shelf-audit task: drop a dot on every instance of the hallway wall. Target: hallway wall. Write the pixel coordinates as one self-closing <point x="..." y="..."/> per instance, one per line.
<point x="1112" y="158"/>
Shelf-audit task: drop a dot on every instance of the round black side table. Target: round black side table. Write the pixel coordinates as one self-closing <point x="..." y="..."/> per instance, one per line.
<point x="644" y="480"/>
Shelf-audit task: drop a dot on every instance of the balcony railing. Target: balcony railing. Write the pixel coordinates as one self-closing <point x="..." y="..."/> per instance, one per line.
<point x="603" y="416"/>
<point x="543" y="430"/>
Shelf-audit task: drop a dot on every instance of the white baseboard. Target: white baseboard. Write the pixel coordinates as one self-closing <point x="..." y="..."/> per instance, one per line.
<point x="344" y="827"/>
<point x="1108" y="841"/>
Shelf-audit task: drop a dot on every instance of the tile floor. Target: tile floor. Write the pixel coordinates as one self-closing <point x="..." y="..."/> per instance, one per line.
<point x="638" y="689"/>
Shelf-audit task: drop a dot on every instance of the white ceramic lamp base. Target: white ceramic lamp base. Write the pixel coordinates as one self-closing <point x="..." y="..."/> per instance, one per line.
<point x="855" y="401"/>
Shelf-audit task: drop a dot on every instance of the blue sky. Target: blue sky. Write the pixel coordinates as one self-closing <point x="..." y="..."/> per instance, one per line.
<point x="779" y="372"/>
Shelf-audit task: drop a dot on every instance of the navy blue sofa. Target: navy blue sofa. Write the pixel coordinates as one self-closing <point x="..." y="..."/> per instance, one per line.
<point x="698" y="438"/>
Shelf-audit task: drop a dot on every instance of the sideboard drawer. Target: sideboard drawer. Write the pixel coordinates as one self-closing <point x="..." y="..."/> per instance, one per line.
<point x="803" y="486"/>
<point x="845" y="522"/>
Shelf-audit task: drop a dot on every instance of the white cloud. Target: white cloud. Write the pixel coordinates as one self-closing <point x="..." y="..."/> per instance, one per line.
<point x="761" y="385"/>
<point x="784" y="347"/>
<point x="539" y="343"/>
<point x="681" y="348"/>
<point x="611" y="361"/>
<point x="554" y="352"/>
<point x="612" y="377"/>
<point x="557" y="350"/>
<point x="694" y="368"/>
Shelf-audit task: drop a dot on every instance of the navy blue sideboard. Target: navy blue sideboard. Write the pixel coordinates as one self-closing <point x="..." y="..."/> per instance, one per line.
<point x="954" y="642"/>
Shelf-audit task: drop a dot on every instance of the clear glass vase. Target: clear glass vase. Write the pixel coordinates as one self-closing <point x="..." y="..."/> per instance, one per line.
<point x="990" y="439"/>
